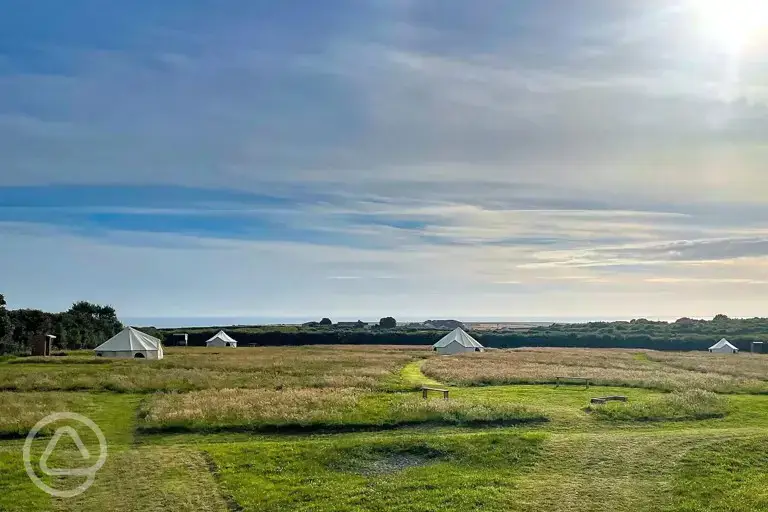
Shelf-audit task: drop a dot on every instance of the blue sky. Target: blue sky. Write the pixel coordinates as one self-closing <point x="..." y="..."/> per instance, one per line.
<point x="363" y="158"/>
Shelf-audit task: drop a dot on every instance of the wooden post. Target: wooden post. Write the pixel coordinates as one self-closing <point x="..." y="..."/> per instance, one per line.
<point x="424" y="393"/>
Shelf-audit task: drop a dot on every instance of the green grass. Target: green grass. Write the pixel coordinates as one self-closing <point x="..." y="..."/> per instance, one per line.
<point x="411" y="377"/>
<point x="414" y="473"/>
<point x="17" y="492"/>
<point x="726" y="475"/>
<point x="151" y="480"/>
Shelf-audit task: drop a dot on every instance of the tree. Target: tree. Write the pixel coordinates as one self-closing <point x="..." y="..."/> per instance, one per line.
<point x="388" y="322"/>
<point x="720" y="318"/>
<point x="5" y="323"/>
<point x="326" y="321"/>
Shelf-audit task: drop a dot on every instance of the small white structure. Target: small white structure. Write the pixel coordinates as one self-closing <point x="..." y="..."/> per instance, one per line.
<point x="457" y="341"/>
<point x="221" y="339"/>
<point x="723" y="347"/>
<point x="131" y="343"/>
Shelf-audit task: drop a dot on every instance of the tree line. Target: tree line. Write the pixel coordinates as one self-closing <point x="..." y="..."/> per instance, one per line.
<point x="683" y="334"/>
<point x="83" y="326"/>
<point x="86" y="325"/>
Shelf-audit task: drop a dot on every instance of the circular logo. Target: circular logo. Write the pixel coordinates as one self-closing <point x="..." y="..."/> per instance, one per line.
<point x="89" y="473"/>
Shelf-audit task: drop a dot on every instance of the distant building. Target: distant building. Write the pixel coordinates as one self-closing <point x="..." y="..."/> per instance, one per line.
<point x="41" y="344"/>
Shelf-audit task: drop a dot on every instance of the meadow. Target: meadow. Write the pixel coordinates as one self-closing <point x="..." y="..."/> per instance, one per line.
<point x="345" y="428"/>
<point x="610" y="367"/>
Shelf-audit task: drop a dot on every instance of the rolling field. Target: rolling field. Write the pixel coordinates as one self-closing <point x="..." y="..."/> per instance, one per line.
<point x="344" y="428"/>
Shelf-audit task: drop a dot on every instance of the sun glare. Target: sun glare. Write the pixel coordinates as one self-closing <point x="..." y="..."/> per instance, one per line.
<point x="736" y="24"/>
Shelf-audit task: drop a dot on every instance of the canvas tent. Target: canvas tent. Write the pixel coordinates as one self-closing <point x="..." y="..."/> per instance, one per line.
<point x="221" y="339"/>
<point x="131" y="343"/>
<point x="723" y="347"/>
<point x="457" y="341"/>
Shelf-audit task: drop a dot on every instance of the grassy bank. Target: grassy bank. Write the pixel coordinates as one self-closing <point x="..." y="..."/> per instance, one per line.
<point x="693" y="404"/>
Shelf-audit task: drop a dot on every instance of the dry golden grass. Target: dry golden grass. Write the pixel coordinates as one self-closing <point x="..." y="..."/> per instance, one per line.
<point x="741" y="365"/>
<point x="602" y="366"/>
<point x="20" y="411"/>
<point x="414" y="408"/>
<point x="263" y="409"/>
<point x="250" y="406"/>
<point x="371" y="359"/>
<point x="186" y="369"/>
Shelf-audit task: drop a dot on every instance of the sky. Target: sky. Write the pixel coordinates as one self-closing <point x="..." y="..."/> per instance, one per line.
<point x="499" y="159"/>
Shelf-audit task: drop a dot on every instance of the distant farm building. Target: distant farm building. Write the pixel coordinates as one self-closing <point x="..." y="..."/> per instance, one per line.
<point x="456" y="342"/>
<point x="221" y="339"/>
<point x="723" y="347"/>
<point x="41" y="344"/>
<point x="131" y="343"/>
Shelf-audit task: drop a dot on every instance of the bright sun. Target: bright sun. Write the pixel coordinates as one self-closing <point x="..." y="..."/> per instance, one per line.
<point x="736" y="24"/>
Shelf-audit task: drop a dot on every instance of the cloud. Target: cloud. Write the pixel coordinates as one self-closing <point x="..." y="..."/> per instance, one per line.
<point x="373" y="154"/>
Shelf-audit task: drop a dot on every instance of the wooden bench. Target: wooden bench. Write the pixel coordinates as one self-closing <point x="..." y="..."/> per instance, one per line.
<point x="563" y="380"/>
<point x="425" y="389"/>
<point x="603" y="399"/>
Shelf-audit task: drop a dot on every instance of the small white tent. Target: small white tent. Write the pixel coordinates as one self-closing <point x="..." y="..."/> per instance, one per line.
<point x="131" y="343"/>
<point x="457" y="341"/>
<point x="221" y="339"/>
<point x="723" y="347"/>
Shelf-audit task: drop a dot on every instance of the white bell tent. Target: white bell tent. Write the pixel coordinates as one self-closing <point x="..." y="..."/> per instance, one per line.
<point x="131" y="343"/>
<point x="457" y="341"/>
<point x="221" y="339"/>
<point x="724" y="347"/>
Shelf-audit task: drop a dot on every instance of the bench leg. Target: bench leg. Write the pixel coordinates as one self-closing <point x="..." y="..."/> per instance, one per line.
<point x="424" y="393"/>
<point x="445" y="395"/>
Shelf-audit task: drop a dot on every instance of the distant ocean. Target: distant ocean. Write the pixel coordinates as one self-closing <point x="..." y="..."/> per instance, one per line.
<point x="207" y="321"/>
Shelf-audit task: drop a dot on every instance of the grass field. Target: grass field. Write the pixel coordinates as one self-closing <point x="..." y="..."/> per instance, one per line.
<point x="332" y="428"/>
<point x="610" y="367"/>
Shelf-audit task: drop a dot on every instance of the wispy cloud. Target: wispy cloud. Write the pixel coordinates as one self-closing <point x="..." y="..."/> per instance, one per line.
<point x="431" y="157"/>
